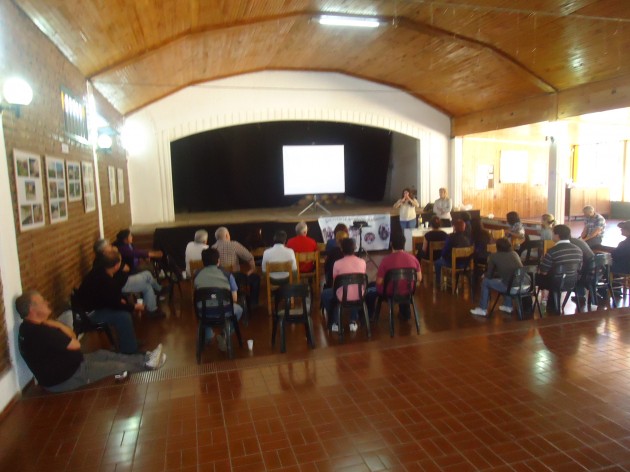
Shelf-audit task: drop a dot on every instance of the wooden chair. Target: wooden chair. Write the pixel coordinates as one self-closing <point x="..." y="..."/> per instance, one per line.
<point x="427" y="265"/>
<point x="272" y="267"/>
<point x="312" y="275"/>
<point x="453" y="272"/>
<point x="497" y="233"/>
<point x="491" y="248"/>
<point x="547" y="244"/>
<point x="195" y="266"/>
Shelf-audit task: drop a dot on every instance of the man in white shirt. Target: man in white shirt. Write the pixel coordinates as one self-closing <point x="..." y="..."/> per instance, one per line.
<point x="279" y="253"/>
<point x="194" y="248"/>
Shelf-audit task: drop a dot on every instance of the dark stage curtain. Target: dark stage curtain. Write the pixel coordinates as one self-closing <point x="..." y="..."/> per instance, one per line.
<point x="241" y="166"/>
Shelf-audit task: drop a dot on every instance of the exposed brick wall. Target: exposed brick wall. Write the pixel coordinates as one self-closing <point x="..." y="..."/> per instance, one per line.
<point x="5" y="359"/>
<point x="54" y="258"/>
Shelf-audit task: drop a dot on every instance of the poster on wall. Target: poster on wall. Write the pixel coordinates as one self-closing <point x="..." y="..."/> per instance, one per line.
<point x="121" y="186"/>
<point x="89" y="190"/>
<point x="30" y="194"/>
<point x="56" y="179"/>
<point x="111" y="170"/>
<point x="73" y="170"/>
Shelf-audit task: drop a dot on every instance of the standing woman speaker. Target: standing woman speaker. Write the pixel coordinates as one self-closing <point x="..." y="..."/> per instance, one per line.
<point x="407" y="205"/>
<point x="442" y="208"/>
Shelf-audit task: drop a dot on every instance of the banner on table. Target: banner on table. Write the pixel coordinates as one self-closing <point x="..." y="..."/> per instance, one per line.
<point x="375" y="235"/>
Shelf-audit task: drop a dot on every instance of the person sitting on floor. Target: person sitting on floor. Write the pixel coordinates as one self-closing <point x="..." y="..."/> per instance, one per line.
<point x="131" y="256"/>
<point x="501" y="266"/>
<point x="101" y="294"/>
<point x="433" y="235"/>
<point x="398" y="259"/>
<point x="457" y="239"/>
<point x="212" y="276"/>
<point x="232" y="253"/>
<point x="279" y="253"/>
<point x="303" y="243"/>
<point x="53" y="353"/>
<point x="141" y="282"/>
<point x="621" y="254"/>
<point x="194" y="248"/>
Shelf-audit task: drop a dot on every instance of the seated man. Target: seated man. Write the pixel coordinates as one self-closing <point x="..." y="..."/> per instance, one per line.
<point x="131" y="256"/>
<point x="211" y="276"/>
<point x="194" y="248"/>
<point x="53" y="353"/>
<point x="141" y="282"/>
<point x="398" y="259"/>
<point x="231" y="254"/>
<point x="501" y="266"/>
<point x="594" y="227"/>
<point x="562" y="253"/>
<point x="621" y="254"/>
<point x="349" y="264"/>
<point x="101" y="294"/>
<point x="279" y="253"/>
<point x="303" y="243"/>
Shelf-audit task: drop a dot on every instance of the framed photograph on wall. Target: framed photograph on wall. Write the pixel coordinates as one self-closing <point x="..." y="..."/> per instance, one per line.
<point x="30" y="193"/>
<point x="121" y="186"/>
<point x="57" y="198"/>
<point x="111" y="170"/>
<point x="89" y="190"/>
<point x="73" y="171"/>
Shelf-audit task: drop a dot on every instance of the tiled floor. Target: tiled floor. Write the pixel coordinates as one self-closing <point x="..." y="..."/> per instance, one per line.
<point x="467" y="394"/>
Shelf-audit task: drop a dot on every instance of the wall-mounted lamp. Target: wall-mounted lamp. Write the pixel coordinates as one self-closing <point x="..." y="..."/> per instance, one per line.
<point x="347" y="20"/>
<point x="16" y="92"/>
<point x="104" y="141"/>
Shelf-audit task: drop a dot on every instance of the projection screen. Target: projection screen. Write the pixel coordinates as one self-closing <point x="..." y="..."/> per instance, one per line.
<point x="313" y="169"/>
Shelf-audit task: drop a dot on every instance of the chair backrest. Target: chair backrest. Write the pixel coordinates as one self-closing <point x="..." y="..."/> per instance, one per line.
<point x="491" y="248"/>
<point x="294" y="291"/>
<point x="519" y="282"/>
<point x="308" y="257"/>
<point x="213" y="304"/>
<point x="80" y="320"/>
<point x="195" y="266"/>
<point x="497" y="233"/>
<point x="548" y="244"/>
<point x="435" y="247"/>
<point x="565" y="276"/>
<point x="462" y="253"/>
<point x="286" y="266"/>
<point x="600" y="267"/>
<point x="174" y="271"/>
<point x="347" y="280"/>
<point x="403" y="282"/>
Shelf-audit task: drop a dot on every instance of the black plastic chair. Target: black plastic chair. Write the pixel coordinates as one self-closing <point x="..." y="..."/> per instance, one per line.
<point x="403" y="283"/>
<point x="299" y="295"/>
<point x="564" y="279"/>
<point x="214" y="308"/>
<point x="347" y="280"/>
<point x="528" y="248"/>
<point x="599" y="279"/>
<point x="172" y="274"/>
<point x="82" y="323"/>
<point x="519" y="287"/>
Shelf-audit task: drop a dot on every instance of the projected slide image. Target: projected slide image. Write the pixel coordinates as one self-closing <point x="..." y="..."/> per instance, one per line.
<point x="313" y="169"/>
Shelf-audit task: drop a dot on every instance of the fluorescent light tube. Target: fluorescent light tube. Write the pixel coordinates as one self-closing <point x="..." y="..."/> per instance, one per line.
<point x="357" y="21"/>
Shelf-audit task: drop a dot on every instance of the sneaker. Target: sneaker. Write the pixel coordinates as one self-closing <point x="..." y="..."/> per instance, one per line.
<point x="478" y="311"/>
<point x="354" y="327"/>
<point x="161" y="363"/>
<point x="334" y="328"/>
<point x="221" y="342"/>
<point x="507" y="309"/>
<point x="155" y="357"/>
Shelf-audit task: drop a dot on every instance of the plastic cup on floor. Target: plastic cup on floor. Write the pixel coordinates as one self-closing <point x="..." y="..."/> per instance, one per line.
<point x="250" y="344"/>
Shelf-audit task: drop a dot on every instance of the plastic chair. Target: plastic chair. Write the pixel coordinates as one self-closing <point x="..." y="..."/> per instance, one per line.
<point x="312" y="276"/>
<point x="286" y="266"/>
<point x="599" y="278"/>
<point x="82" y="323"/>
<point x="427" y="265"/>
<point x="214" y="308"/>
<point x="564" y="279"/>
<point x="519" y="287"/>
<point x="403" y="283"/>
<point x="454" y="272"/>
<point x="296" y="294"/>
<point x="347" y="280"/>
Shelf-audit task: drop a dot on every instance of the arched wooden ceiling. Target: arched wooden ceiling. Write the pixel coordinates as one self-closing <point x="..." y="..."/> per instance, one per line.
<point x="480" y="61"/>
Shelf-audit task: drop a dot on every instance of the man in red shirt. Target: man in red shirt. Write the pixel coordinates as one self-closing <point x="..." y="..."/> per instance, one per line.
<point x="303" y="243"/>
<point x="398" y="259"/>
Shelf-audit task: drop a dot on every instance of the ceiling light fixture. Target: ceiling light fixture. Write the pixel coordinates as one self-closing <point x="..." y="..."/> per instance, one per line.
<point x="355" y="21"/>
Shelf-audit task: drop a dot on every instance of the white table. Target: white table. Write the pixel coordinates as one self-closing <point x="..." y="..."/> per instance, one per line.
<point x="418" y="233"/>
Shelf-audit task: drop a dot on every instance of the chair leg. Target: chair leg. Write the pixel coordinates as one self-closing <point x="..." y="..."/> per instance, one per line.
<point x="415" y="314"/>
<point x="237" y="330"/>
<point x="340" y="318"/>
<point x="309" y="332"/>
<point x="519" y="307"/>
<point x="274" y="327"/>
<point x="283" y="335"/>
<point x="496" y="300"/>
<point x="391" y="318"/>
<point x="377" y="310"/>
<point x="201" y="339"/>
<point x="227" y="331"/>
<point x="367" y="320"/>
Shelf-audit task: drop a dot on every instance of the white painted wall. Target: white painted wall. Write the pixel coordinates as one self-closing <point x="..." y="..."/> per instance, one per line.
<point x="16" y="378"/>
<point x="276" y="96"/>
